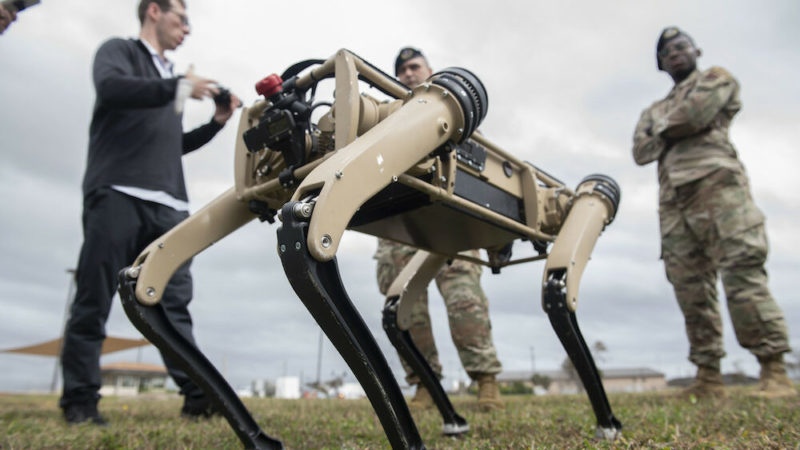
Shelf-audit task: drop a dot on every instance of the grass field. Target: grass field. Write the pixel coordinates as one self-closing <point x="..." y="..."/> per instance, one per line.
<point x="650" y="421"/>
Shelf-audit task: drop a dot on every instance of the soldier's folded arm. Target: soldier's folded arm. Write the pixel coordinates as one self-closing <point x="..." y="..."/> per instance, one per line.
<point x="696" y="112"/>
<point x="647" y="147"/>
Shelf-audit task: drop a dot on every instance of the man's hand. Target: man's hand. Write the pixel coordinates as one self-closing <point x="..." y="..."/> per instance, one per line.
<point x="224" y="112"/>
<point x="201" y="87"/>
<point x="6" y="17"/>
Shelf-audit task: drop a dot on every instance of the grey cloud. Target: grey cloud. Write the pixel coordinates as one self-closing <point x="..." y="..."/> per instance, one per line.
<point x="566" y="85"/>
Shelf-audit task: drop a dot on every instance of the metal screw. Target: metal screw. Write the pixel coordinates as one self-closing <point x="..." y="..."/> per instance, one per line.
<point x="445" y="93"/>
<point x="283" y="248"/>
<point x="326" y="241"/>
<point x="443" y="179"/>
<point x="297" y="245"/>
<point x="150" y="292"/>
<point x="133" y="272"/>
<point x="160" y="245"/>
<point x="302" y="210"/>
<point x="394" y="178"/>
<point x="339" y="174"/>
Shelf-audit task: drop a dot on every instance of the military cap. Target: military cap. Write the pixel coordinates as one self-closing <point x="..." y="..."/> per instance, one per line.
<point x="667" y="35"/>
<point x="404" y="55"/>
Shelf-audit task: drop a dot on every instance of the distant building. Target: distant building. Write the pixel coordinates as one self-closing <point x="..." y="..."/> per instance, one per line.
<point x="127" y="378"/>
<point x="262" y="388"/>
<point x="730" y="379"/>
<point x="350" y="391"/>
<point x="636" y="379"/>
<point x="287" y="387"/>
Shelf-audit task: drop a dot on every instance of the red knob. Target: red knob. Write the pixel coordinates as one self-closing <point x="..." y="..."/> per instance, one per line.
<point x="269" y="86"/>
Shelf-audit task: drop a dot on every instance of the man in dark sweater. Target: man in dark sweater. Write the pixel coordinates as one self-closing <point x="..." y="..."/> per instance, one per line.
<point x="134" y="191"/>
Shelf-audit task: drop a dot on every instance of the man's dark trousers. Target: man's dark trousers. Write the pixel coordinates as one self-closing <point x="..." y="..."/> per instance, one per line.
<point x="116" y="228"/>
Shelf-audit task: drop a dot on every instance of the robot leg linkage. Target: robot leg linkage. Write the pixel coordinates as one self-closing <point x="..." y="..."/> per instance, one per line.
<point x="403" y="292"/>
<point x="153" y="323"/>
<point x="319" y="286"/>
<point x="594" y="206"/>
<point x="142" y="285"/>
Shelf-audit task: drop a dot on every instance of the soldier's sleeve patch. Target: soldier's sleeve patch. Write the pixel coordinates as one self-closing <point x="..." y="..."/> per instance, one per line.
<point x="714" y="73"/>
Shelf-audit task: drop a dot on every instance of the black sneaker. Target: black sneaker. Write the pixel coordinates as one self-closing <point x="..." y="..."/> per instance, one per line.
<point x="82" y="413"/>
<point x="198" y="408"/>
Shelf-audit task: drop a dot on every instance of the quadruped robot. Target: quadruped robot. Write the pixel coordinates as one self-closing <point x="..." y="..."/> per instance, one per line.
<point x="412" y="170"/>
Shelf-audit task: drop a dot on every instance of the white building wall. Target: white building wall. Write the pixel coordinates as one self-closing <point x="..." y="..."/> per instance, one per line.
<point x="287" y="387"/>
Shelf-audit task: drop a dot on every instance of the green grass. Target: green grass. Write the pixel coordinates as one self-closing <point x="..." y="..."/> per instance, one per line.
<point x="650" y="421"/>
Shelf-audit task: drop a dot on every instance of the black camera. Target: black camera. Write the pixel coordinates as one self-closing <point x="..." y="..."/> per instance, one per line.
<point x="223" y="98"/>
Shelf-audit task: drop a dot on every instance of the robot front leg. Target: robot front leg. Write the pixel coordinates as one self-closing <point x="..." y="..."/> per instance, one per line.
<point x="142" y="285"/>
<point x="594" y="206"/>
<point x="153" y="323"/>
<point x="404" y="291"/>
<point x="319" y="286"/>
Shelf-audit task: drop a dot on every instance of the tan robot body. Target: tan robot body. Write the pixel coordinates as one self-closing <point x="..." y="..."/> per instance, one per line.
<point x="411" y="170"/>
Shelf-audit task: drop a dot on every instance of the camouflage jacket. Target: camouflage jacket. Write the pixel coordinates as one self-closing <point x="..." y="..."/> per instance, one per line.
<point x="687" y="132"/>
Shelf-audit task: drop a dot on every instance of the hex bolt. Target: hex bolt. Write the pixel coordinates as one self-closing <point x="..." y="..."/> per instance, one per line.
<point x="326" y="241"/>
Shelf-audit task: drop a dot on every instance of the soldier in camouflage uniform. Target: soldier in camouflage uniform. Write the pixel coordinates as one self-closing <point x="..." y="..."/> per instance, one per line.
<point x="709" y="223"/>
<point x="459" y="284"/>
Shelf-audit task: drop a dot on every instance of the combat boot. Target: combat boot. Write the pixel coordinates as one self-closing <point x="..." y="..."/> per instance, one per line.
<point x="422" y="398"/>
<point x="707" y="384"/>
<point x="489" y="393"/>
<point x="773" y="381"/>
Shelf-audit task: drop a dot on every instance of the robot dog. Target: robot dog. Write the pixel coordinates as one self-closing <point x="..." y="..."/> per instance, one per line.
<point x="412" y="170"/>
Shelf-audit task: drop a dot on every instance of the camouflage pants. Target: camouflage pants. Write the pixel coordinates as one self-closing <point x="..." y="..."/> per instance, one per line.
<point x="710" y="227"/>
<point x="467" y="311"/>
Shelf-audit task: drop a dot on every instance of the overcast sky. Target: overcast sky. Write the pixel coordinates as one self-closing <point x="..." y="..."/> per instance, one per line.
<point x="566" y="81"/>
